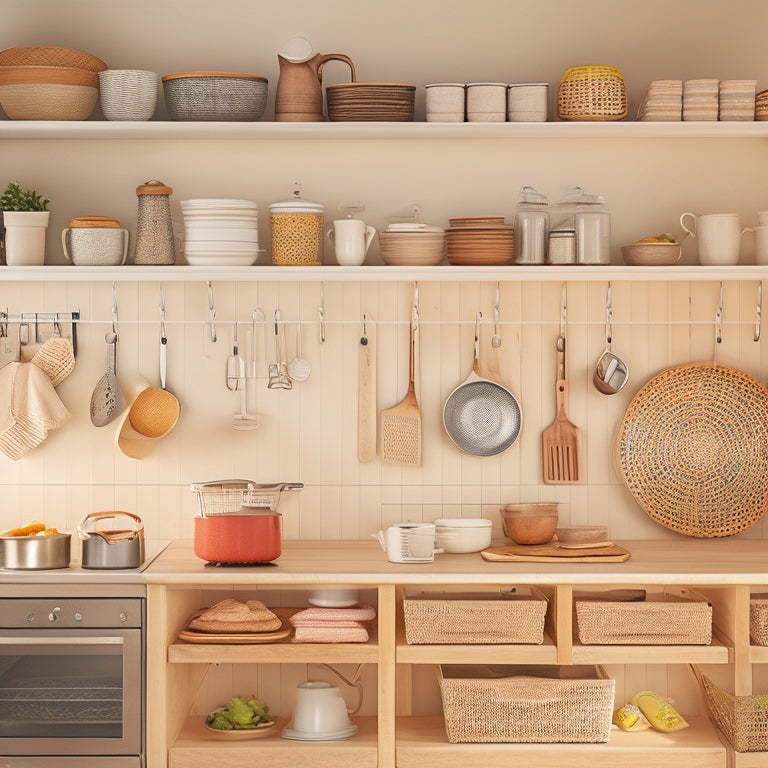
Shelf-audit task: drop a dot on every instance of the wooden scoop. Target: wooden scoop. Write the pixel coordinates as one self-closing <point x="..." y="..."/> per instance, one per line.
<point x="560" y="441"/>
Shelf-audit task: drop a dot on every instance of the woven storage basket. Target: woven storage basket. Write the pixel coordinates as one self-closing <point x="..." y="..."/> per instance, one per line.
<point x="527" y="703"/>
<point x="474" y="618"/>
<point x="592" y="92"/>
<point x="742" y="719"/>
<point x="217" y="96"/>
<point x="50" y="56"/>
<point x="128" y="94"/>
<point x="48" y="101"/>
<point x="666" y="620"/>
<point x="758" y="619"/>
<point x="693" y="449"/>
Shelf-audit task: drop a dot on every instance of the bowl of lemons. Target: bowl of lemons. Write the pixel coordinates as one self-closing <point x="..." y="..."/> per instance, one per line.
<point x="661" y="250"/>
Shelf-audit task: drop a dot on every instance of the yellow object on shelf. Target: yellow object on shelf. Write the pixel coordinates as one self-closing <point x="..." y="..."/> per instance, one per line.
<point x="592" y="92"/>
<point x="660" y="713"/>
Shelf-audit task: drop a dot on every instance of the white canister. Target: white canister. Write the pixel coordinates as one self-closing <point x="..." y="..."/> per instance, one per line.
<point x="531" y="227"/>
<point x="445" y="102"/>
<point x="528" y="102"/>
<point x="487" y="102"/>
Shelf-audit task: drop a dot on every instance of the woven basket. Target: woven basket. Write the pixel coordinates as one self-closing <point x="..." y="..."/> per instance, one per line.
<point x="128" y="94"/>
<point x="592" y="93"/>
<point x="693" y="449"/>
<point x="669" y="620"/>
<point x="758" y="619"/>
<point x="524" y="703"/>
<point x="217" y="96"/>
<point x="48" y="101"/>
<point x="742" y="719"/>
<point x="474" y="618"/>
<point x="50" y="56"/>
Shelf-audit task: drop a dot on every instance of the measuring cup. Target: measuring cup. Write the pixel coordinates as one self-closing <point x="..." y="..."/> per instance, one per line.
<point x="611" y="372"/>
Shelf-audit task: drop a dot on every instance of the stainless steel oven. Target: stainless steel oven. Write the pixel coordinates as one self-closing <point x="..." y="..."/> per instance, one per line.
<point x="72" y="678"/>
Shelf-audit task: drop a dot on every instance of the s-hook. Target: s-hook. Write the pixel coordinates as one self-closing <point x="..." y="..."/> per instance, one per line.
<point x="496" y="338"/>
<point x="719" y="319"/>
<point x="759" y="318"/>
<point x="211" y="311"/>
<point x="114" y="309"/>
<point x="321" y="315"/>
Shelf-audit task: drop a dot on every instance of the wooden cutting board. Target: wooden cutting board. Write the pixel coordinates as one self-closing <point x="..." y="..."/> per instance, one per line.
<point x="548" y="553"/>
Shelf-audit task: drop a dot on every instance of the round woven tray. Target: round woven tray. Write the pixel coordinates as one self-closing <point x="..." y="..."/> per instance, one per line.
<point x="693" y="449"/>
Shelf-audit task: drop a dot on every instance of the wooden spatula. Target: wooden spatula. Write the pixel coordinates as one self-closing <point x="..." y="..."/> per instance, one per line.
<point x="401" y="425"/>
<point x="560" y="441"/>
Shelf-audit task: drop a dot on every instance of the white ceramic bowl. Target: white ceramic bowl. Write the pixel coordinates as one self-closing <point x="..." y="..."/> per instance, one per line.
<point x="220" y="246"/>
<point x="243" y="234"/>
<point x="461" y="535"/>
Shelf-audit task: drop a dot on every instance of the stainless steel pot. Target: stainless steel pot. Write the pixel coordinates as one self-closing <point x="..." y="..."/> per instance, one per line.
<point x="111" y="548"/>
<point x="35" y="552"/>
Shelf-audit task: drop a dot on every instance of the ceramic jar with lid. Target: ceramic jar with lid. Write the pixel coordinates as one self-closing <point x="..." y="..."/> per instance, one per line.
<point x="154" y="231"/>
<point x="589" y="217"/>
<point x="530" y="228"/>
<point x="297" y="232"/>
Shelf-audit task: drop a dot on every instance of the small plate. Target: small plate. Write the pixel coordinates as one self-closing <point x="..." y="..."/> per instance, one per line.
<point x="262" y="729"/>
<point x="290" y="733"/>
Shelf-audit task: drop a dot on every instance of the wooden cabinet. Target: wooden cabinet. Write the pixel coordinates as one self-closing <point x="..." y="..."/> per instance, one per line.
<point x="400" y="735"/>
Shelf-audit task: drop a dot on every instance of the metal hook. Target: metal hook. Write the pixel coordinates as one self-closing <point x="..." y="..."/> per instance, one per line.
<point x="321" y="313"/>
<point x="496" y="338"/>
<point x="415" y="312"/>
<point x="478" y="318"/>
<point x="564" y="311"/>
<point x="608" y="317"/>
<point x="3" y="323"/>
<point x="114" y="309"/>
<point x="162" y="316"/>
<point x="364" y="337"/>
<point x="719" y="319"/>
<point x="758" y="321"/>
<point x="212" y="311"/>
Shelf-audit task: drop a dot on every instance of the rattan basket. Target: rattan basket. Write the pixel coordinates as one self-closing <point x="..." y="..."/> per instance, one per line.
<point x="693" y="449"/>
<point x="593" y="92"/>
<point x="543" y="704"/>
<point x="474" y="618"/>
<point x="217" y="96"/>
<point x="742" y="719"/>
<point x="48" y="101"/>
<point x="758" y="619"/>
<point x="128" y="94"/>
<point x="666" y="619"/>
<point x="50" y="56"/>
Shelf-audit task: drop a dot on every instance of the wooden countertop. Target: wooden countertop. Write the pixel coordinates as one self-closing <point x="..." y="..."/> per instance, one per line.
<point x="673" y="561"/>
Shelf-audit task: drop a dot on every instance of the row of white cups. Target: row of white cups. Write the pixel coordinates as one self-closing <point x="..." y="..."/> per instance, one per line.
<point x="719" y="237"/>
<point x="487" y="102"/>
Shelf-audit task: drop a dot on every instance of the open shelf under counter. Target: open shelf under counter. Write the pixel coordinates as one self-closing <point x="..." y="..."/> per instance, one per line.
<point x="381" y="273"/>
<point x="715" y="653"/>
<point x="750" y="759"/>
<point x="422" y="743"/>
<point x="516" y="653"/>
<point x="195" y="748"/>
<point x="758" y="654"/>
<point x="347" y="130"/>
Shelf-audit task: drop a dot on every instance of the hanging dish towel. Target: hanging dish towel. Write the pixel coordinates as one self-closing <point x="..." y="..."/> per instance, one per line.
<point x="29" y="408"/>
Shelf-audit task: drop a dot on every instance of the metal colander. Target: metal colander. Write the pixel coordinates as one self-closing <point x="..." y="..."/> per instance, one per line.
<point x="227" y="497"/>
<point x="482" y="418"/>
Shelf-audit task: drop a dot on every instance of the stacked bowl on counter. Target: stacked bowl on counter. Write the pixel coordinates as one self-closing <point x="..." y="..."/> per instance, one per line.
<point x="220" y="232"/>
<point x="412" y="244"/>
<point x="480" y="240"/>
<point x="44" y="82"/>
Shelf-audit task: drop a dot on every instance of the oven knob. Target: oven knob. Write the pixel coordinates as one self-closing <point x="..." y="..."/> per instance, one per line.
<point x="30" y="618"/>
<point x="123" y="617"/>
<point x="78" y="616"/>
<point x="54" y="614"/>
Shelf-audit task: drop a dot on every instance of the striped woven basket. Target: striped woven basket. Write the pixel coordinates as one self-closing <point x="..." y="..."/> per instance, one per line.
<point x="593" y="92"/>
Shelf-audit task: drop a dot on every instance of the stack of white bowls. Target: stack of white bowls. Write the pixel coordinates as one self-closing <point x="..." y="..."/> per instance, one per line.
<point x="220" y="232"/>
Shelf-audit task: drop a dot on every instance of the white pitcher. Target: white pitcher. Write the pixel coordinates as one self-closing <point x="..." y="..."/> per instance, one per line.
<point x="350" y="239"/>
<point x="409" y="542"/>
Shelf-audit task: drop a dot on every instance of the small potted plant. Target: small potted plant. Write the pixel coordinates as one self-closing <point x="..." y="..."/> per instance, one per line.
<point x="25" y="219"/>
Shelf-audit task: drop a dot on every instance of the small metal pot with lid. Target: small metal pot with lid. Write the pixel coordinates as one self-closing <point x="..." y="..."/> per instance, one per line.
<point x="297" y="232"/>
<point x="109" y="548"/>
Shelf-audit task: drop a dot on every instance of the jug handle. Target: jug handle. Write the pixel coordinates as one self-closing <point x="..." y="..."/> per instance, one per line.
<point x="324" y="57"/>
<point x="380" y="537"/>
<point x="353" y="683"/>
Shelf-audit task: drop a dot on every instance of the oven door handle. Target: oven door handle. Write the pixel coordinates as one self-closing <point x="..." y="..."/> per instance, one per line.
<point x="32" y="641"/>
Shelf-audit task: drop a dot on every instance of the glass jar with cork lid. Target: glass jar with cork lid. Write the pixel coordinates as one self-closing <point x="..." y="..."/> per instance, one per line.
<point x="297" y="232"/>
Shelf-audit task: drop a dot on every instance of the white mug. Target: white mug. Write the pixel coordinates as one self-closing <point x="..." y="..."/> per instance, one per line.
<point x="351" y="239"/>
<point x="409" y="542"/>
<point x="320" y="709"/>
<point x="761" y="244"/>
<point x="719" y="237"/>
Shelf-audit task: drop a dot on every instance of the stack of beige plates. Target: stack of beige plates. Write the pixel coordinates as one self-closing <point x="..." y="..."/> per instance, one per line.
<point x="700" y="99"/>
<point x="412" y="244"/>
<point x="737" y="99"/>
<point x="371" y="101"/>
<point x="479" y="240"/>
<point x="761" y="106"/>
<point x="663" y="102"/>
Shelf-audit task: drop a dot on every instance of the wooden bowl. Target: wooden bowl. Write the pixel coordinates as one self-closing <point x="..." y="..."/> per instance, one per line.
<point x="529" y="523"/>
<point x="651" y="254"/>
<point x="587" y="534"/>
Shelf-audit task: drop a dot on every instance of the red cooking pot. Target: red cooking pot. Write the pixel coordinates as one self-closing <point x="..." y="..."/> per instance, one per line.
<point x="240" y="538"/>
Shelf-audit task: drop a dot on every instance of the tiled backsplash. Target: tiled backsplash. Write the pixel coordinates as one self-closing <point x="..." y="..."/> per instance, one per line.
<point x="309" y="434"/>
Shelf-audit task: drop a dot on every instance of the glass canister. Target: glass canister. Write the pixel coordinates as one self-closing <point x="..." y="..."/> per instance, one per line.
<point x="589" y="217"/>
<point x="530" y="227"/>
<point x="154" y="230"/>
<point x="297" y="232"/>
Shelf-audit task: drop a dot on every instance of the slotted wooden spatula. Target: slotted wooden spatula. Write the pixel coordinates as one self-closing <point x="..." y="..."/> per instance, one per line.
<point x="560" y="441"/>
<point x="401" y="424"/>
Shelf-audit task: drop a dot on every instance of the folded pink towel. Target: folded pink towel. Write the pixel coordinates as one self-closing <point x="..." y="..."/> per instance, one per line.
<point x="304" y="634"/>
<point x="359" y="613"/>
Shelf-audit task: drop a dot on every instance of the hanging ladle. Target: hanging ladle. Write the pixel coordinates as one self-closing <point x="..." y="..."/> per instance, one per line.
<point x="611" y="372"/>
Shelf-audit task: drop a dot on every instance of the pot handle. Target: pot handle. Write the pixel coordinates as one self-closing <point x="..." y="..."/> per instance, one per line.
<point x="83" y="534"/>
